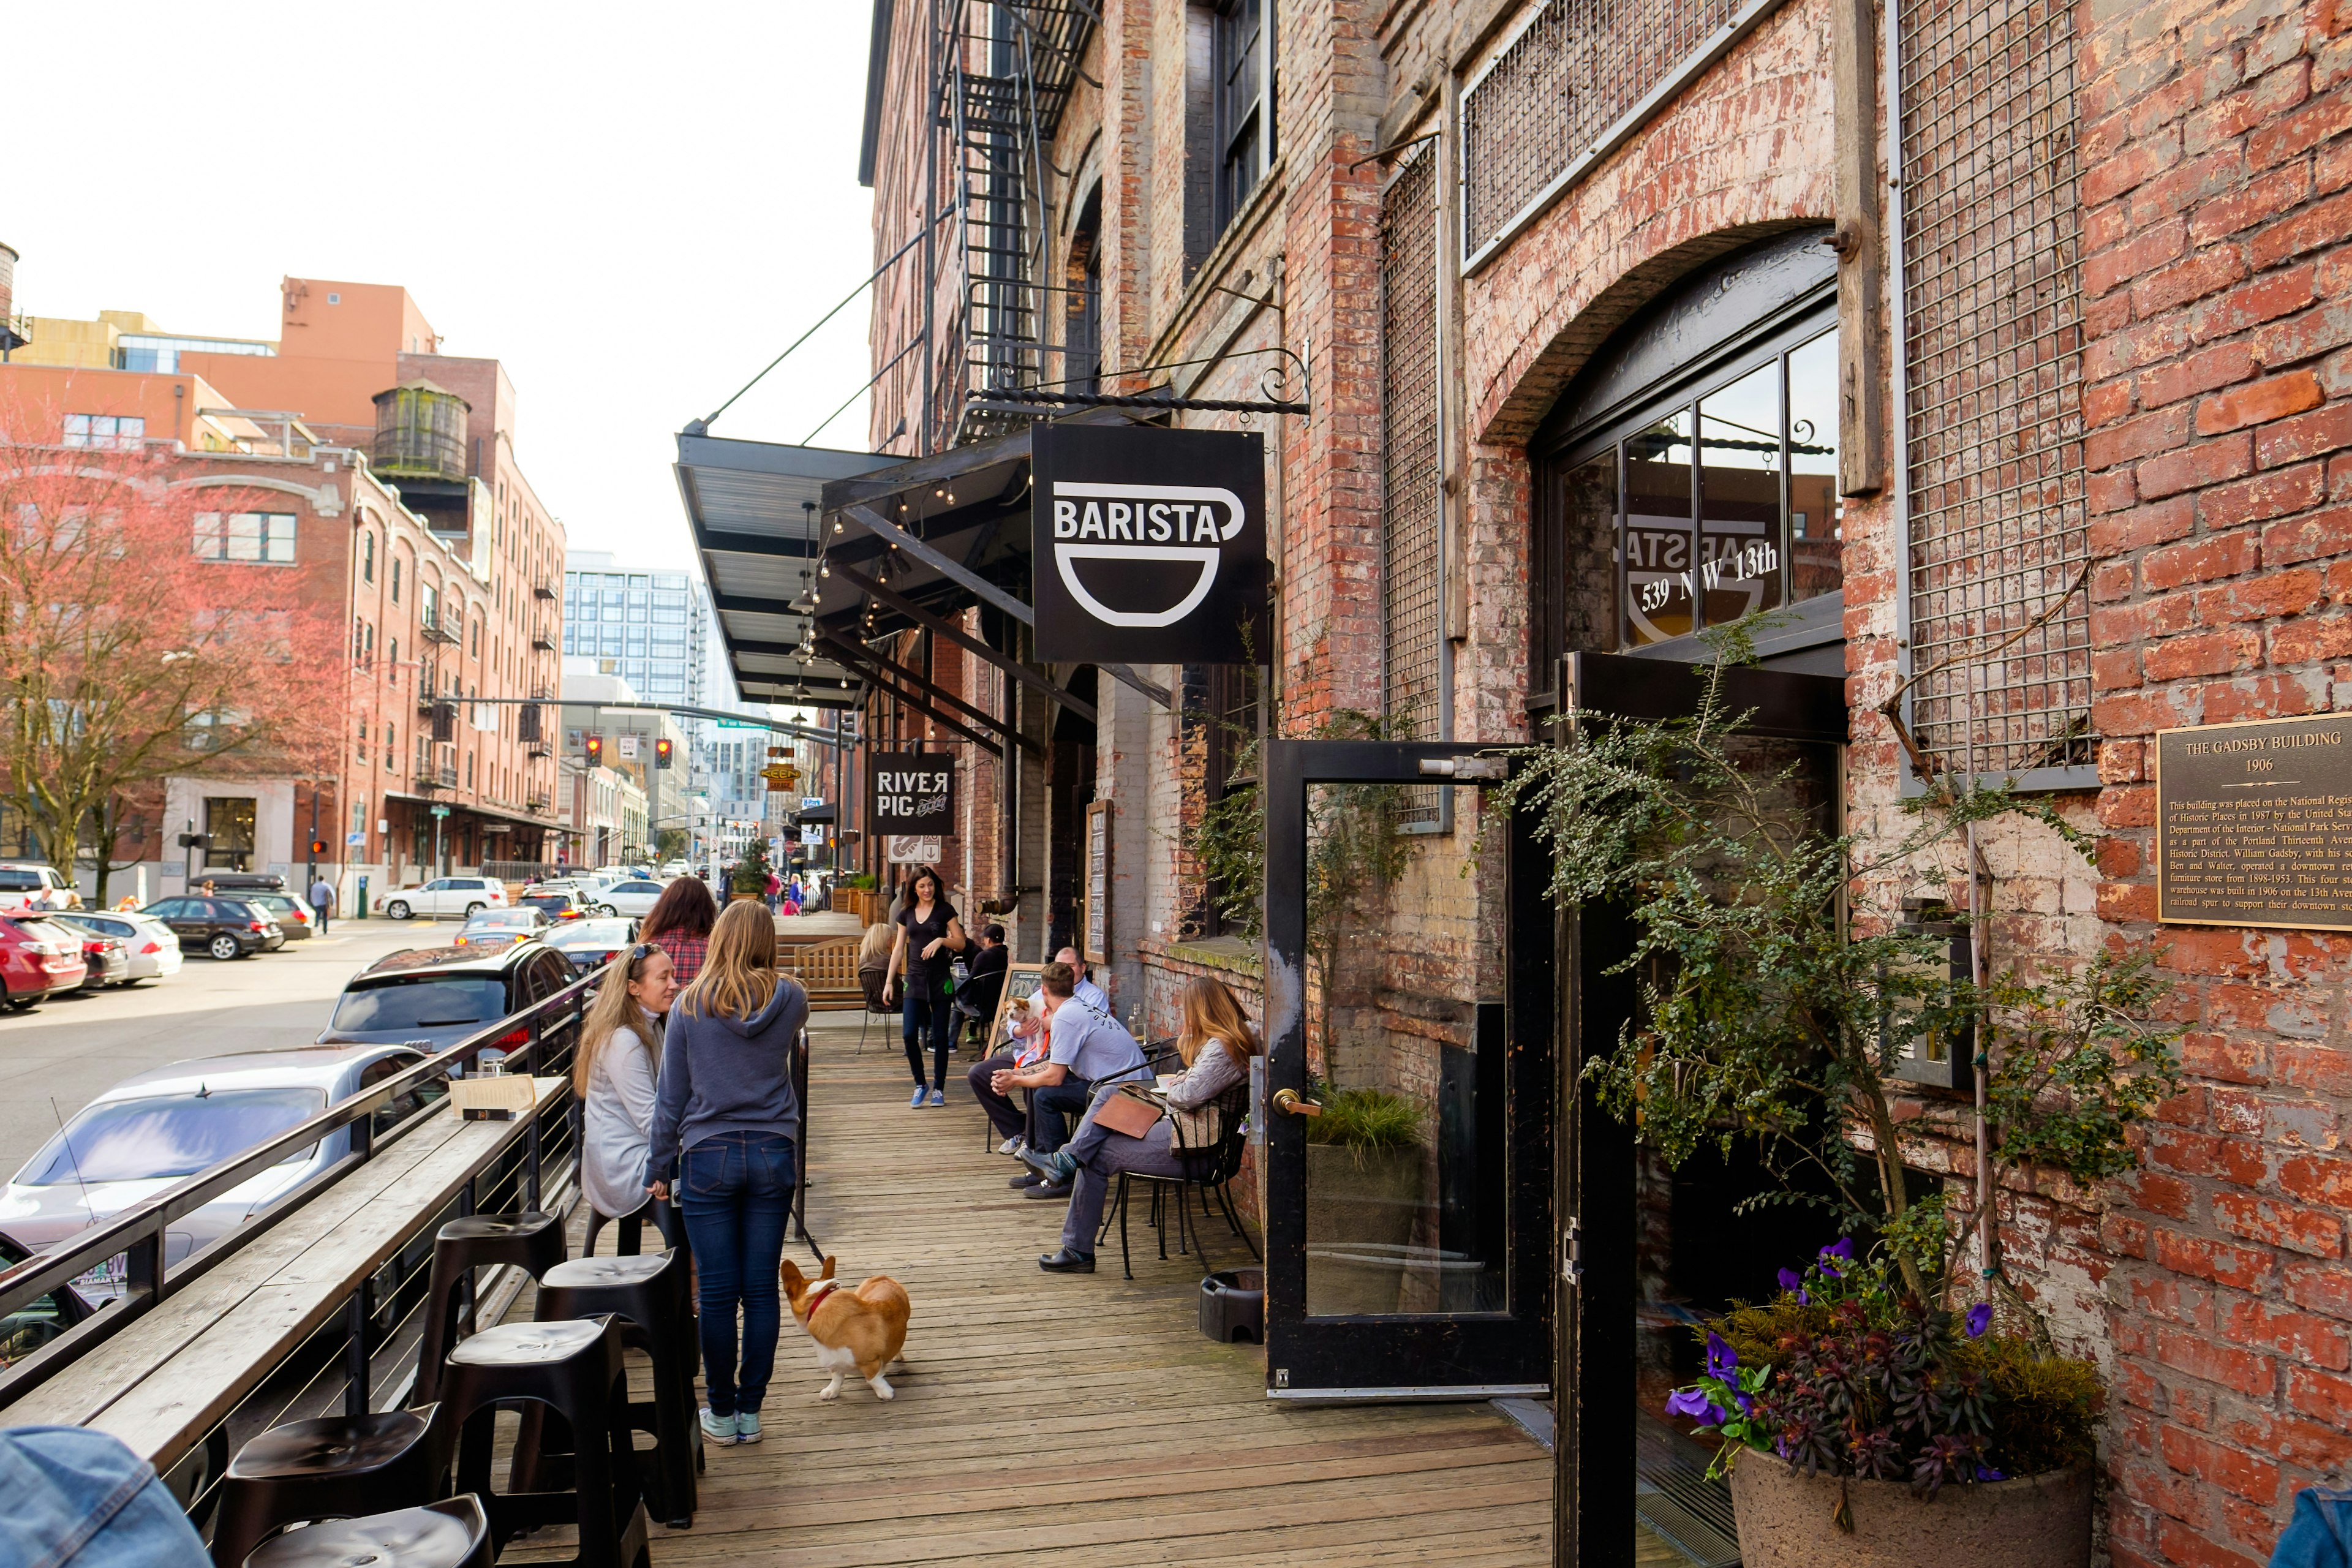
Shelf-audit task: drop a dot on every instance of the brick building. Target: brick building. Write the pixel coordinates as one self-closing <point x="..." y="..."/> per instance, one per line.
<point x="435" y="552"/>
<point x="2000" y="347"/>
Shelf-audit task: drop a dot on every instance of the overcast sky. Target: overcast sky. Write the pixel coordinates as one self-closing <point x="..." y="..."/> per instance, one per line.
<point x="634" y="208"/>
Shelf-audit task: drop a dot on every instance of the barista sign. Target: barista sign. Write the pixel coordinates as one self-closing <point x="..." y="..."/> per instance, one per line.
<point x="914" y="792"/>
<point x="1151" y="544"/>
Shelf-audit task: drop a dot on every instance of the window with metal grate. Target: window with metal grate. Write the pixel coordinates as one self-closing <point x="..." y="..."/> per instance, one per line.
<point x="1993" y="374"/>
<point x="1412" y="570"/>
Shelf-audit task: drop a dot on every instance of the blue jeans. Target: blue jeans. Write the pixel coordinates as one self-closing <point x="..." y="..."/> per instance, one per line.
<point x="1049" y="1105"/>
<point x="921" y="1011"/>
<point x="737" y="1192"/>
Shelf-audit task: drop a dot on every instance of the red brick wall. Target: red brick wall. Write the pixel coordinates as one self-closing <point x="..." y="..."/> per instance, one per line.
<point x="2218" y="196"/>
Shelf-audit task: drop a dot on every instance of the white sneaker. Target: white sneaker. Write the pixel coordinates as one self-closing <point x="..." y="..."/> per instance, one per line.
<point x="1010" y="1146"/>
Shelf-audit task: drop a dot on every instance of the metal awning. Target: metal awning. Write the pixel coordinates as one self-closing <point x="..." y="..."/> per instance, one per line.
<point x="754" y="508"/>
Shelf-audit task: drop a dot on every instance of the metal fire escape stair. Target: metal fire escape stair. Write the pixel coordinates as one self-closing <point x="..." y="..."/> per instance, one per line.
<point x="1008" y="69"/>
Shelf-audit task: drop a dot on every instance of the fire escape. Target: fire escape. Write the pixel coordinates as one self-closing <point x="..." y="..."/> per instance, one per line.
<point x="1007" y="68"/>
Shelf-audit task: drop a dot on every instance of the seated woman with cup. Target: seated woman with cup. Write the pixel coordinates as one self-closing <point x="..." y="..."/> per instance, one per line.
<point x="1216" y="1045"/>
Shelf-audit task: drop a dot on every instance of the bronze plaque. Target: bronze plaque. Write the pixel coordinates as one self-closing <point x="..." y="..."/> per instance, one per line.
<point x="2254" y="824"/>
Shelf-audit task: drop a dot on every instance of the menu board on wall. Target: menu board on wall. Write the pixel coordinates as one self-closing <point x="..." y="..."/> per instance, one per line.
<point x="2254" y="824"/>
<point x="1097" y="922"/>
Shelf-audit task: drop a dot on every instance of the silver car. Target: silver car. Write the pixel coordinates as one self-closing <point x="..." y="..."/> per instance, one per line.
<point x="156" y="1129"/>
<point x="153" y="947"/>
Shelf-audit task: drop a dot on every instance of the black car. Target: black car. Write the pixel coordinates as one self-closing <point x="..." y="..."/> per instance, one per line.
<point x="108" y="960"/>
<point x="432" y="997"/>
<point x="224" y="928"/>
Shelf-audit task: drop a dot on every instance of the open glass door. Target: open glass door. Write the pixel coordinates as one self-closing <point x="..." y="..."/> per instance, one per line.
<point x="1408" y="1161"/>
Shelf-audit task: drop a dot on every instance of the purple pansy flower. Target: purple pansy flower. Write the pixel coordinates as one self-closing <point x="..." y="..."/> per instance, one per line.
<point x="1979" y="1319"/>
<point x="1987" y="1473"/>
<point x="1792" y="1280"/>
<point x="1692" y="1402"/>
<point x="1839" y="1249"/>
<point x="1722" y="1361"/>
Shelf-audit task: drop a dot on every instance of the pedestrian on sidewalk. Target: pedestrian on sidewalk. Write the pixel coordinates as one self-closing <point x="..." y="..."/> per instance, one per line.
<point x="929" y="936"/>
<point x="726" y="1115"/>
<point x="679" y="924"/>
<point x="613" y="1072"/>
<point x="322" y="898"/>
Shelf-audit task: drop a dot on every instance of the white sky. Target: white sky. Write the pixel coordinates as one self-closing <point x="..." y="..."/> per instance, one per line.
<point x="634" y="208"/>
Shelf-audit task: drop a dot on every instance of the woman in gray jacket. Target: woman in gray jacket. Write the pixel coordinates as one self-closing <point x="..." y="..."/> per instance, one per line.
<point x="725" y="1112"/>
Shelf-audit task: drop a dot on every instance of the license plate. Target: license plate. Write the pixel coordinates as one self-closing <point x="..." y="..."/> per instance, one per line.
<point x="105" y="1279"/>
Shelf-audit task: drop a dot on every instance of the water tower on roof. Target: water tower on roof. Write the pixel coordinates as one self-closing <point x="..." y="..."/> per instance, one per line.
<point x="420" y="433"/>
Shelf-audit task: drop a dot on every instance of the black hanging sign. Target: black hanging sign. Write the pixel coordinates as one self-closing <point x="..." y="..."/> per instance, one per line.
<point x="914" y="792"/>
<point x="1151" y="544"/>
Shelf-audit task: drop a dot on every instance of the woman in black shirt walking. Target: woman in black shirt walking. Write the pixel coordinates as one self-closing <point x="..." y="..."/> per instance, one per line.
<point x="929" y="936"/>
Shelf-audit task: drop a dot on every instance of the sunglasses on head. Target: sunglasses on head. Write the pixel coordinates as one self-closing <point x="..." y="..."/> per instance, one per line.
<point x="639" y="954"/>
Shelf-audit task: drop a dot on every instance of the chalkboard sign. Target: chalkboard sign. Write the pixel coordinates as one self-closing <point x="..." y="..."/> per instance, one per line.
<point x="1095" y="944"/>
<point x="2254" y="824"/>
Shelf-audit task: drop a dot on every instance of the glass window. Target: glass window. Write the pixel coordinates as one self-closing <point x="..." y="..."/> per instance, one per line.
<point x="1739" y="496"/>
<point x="253" y="536"/>
<point x="104" y="430"/>
<point x="228" y="831"/>
<point x="169" y="1135"/>
<point x="395" y="580"/>
<point x="1656" y="542"/>
<point x="1238" y="119"/>
<point x="367" y="556"/>
<point x="1815" y="512"/>
<point x="669" y="615"/>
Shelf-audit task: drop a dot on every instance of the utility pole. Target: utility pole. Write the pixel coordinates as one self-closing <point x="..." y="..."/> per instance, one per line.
<point x="314" y="842"/>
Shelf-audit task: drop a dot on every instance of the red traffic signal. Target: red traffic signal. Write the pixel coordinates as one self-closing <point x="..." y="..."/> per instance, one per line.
<point x="595" y="750"/>
<point x="662" y="748"/>
<point x="318" y="846"/>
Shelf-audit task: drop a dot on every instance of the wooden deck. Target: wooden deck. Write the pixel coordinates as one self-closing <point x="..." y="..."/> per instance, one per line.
<point x="1044" y="1419"/>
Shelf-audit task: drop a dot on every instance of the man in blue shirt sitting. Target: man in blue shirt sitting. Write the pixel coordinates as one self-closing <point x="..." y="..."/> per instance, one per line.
<point x="1088" y="1049"/>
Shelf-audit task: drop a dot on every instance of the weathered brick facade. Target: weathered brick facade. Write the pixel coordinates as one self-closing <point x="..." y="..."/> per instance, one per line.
<point x="2214" y="143"/>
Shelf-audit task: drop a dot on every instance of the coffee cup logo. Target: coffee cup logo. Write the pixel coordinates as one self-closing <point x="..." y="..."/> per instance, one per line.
<point x="1183" y="525"/>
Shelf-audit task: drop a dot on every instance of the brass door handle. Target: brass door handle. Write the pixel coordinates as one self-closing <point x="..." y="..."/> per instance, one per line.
<point x="1287" y="1101"/>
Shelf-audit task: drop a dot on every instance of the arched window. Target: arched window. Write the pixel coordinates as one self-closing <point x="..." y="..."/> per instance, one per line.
<point x="1688" y="477"/>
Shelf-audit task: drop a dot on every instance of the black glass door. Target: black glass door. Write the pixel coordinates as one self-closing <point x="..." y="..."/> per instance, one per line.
<point x="1409" y="1079"/>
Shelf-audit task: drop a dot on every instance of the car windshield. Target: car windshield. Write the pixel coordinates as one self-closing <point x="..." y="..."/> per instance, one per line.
<point x="593" y="934"/>
<point x="503" y="920"/>
<point x="423" y="1004"/>
<point x="169" y="1135"/>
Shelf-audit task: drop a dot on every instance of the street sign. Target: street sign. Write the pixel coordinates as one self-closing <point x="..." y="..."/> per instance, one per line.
<point x="914" y="792"/>
<point x="737" y="724"/>
<point x="440" y="811"/>
<point x="909" y="849"/>
<point x="355" y="840"/>
<point x="811" y="801"/>
<point x="628" y="745"/>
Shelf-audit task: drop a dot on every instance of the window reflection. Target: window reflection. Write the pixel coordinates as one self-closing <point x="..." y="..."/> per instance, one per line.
<point x="1657" y="537"/>
<point x="1815" y="510"/>
<point x="1739" y="490"/>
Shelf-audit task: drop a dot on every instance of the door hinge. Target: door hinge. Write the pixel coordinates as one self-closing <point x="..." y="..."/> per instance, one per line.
<point x="1571" y="1253"/>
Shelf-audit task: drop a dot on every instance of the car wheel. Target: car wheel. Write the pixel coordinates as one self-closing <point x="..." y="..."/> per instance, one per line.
<point x="474" y="909"/>
<point x="225" y="947"/>
<point x="397" y="910"/>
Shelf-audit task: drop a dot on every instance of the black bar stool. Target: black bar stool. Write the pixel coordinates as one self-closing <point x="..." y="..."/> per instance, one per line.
<point x="532" y="1241"/>
<point x="335" y="1468"/>
<point x="451" y="1534"/>
<point x="650" y="1292"/>
<point x="576" y="1369"/>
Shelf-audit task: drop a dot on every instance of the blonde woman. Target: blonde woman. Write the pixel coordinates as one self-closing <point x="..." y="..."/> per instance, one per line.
<point x="726" y="1114"/>
<point x="613" y="1073"/>
<point x="1216" y="1045"/>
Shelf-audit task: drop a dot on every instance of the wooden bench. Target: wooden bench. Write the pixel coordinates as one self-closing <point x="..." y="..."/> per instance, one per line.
<point x="827" y="970"/>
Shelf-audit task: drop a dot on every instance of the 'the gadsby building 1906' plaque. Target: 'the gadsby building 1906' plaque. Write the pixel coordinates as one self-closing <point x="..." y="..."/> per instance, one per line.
<point x="2254" y="824"/>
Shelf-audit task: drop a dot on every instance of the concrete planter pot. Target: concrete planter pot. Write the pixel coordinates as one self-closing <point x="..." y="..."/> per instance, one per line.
<point x="1787" y="1520"/>
<point x="1360" y="1208"/>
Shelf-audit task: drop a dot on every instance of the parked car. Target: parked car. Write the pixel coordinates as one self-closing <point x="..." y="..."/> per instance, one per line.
<point x="29" y="885"/>
<point x="108" y="962"/>
<point x="37" y="961"/>
<point x="634" y="896"/>
<point x="30" y="1327"/>
<point x="224" y="927"/>
<point x="295" y="918"/>
<point x="157" y="1128"/>
<point x="436" y="996"/>
<point x="153" y="947"/>
<point x="591" y="944"/>
<point x="671" y="871"/>
<point x="560" y="906"/>
<point x="446" y="895"/>
<point x="497" y="927"/>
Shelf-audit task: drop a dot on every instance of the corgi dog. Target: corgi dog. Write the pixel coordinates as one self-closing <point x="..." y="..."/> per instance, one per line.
<point x="864" y="1329"/>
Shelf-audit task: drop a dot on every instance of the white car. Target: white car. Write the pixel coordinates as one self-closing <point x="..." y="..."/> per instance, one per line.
<point x="153" y="947"/>
<point x="446" y="895"/>
<point x="636" y="897"/>
<point x="672" y="869"/>
<point x="28" y="885"/>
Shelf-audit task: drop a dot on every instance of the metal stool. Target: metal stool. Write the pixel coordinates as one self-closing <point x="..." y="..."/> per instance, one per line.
<point x="650" y="1294"/>
<point x="452" y="1534"/>
<point x="336" y="1467"/>
<point x="532" y="1241"/>
<point x="576" y="1369"/>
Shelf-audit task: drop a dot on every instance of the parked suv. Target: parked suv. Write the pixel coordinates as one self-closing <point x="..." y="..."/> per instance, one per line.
<point x="37" y="960"/>
<point x="446" y="895"/>
<point x="224" y="927"/>
<point x="24" y="885"/>
<point x="432" y="997"/>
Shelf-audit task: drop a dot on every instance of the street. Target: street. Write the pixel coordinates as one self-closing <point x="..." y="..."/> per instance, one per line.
<point x="54" y="1059"/>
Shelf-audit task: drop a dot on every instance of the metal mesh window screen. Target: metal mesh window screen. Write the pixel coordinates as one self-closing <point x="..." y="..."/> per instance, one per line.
<point x="1410" y="463"/>
<point x="1993" y="340"/>
<point x="1577" y="68"/>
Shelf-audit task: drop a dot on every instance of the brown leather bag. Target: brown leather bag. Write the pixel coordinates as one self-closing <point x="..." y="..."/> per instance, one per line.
<point x="1128" y="1114"/>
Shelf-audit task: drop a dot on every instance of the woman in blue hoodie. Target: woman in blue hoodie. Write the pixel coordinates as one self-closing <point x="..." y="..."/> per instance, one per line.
<point x="726" y="1112"/>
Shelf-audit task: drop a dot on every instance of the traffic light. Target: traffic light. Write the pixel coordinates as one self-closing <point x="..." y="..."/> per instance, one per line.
<point x="318" y="847"/>
<point x="595" y="750"/>
<point x="662" y="748"/>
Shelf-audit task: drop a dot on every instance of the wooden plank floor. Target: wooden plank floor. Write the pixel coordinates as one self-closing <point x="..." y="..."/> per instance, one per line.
<point x="1044" y="1419"/>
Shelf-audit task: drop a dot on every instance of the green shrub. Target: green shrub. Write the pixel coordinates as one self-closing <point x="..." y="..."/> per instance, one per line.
<point x="1363" y="1118"/>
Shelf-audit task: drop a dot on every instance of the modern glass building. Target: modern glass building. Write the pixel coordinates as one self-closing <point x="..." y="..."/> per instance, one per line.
<point x="650" y="628"/>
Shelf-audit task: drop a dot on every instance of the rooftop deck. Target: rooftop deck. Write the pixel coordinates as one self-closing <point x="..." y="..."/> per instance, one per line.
<point x="1066" y="1419"/>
